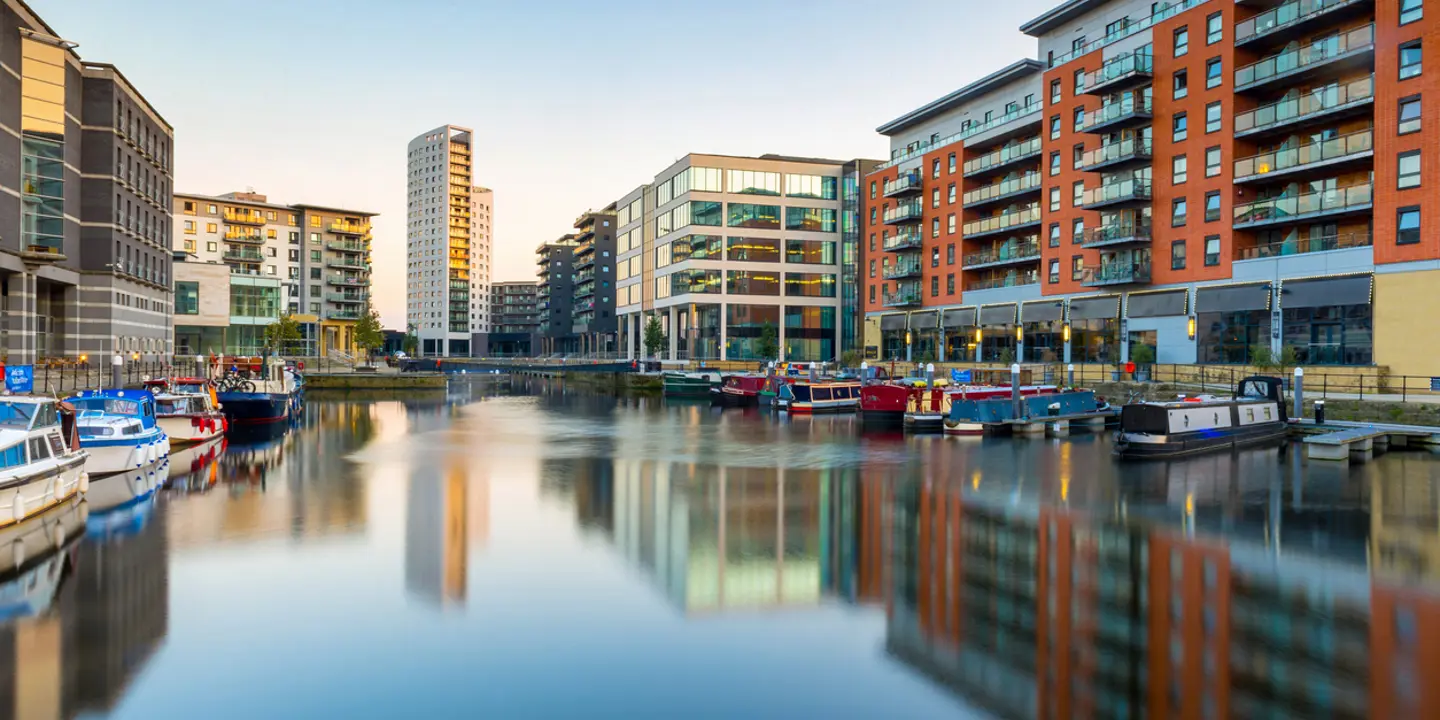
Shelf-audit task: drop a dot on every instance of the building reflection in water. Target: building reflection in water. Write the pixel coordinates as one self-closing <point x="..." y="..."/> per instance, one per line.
<point x="1131" y="607"/>
<point x="446" y="513"/>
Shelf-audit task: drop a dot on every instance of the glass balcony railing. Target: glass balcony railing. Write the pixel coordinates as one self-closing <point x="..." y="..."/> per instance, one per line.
<point x="343" y="281"/>
<point x="905" y="297"/>
<point x="1117" y="273"/>
<point x="1110" y="112"/>
<point x="347" y="246"/>
<point x="1300" y="246"/>
<point x="1287" y="15"/>
<point x="1128" y="29"/>
<point x="900" y="156"/>
<point x="1129" y="65"/>
<point x="346" y="228"/>
<point x="1004" y="280"/>
<point x="346" y="261"/>
<point x="1116" y="192"/>
<point x="344" y="298"/>
<point x="1281" y="209"/>
<point x="1002" y="156"/>
<point x="904" y="268"/>
<point x="243" y="255"/>
<point x="1028" y="181"/>
<point x="1113" y="233"/>
<point x="907" y="182"/>
<point x="1003" y="221"/>
<point x="253" y="238"/>
<point x="244" y="218"/>
<point x="1024" y="251"/>
<point x="904" y="240"/>
<point x="342" y="315"/>
<point x="904" y="212"/>
<point x="1317" y="102"/>
<point x="1134" y="148"/>
<point x="1313" y="54"/>
<point x="1354" y="144"/>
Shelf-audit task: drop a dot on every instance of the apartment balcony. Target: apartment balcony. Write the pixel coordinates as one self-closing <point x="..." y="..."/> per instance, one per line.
<point x="347" y="246"/>
<point x="1134" y="191"/>
<point x="1006" y="253"/>
<point x="1127" y="231"/>
<point x="249" y="238"/>
<point x="342" y="314"/>
<point x="1327" y="105"/>
<point x="347" y="262"/>
<point x="1002" y="158"/>
<point x="585" y="248"/>
<point x="1325" y="243"/>
<point x="1004" y="280"/>
<point x="1026" y="184"/>
<point x="903" y="213"/>
<point x="904" y="240"/>
<point x="345" y="228"/>
<point x="1270" y="212"/>
<point x="909" y="296"/>
<point x="585" y="291"/>
<point x="343" y="281"/>
<point x="1296" y="19"/>
<point x="908" y="183"/>
<point x="1126" y="153"/>
<point x="904" y="267"/>
<point x="1333" y="56"/>
<point x="1004" y="222"/>
<point x="1328" y="156"/>
<point x="345" y="298"/>
<point x="585" y="262"/>
<point x="244" y="218"/>
<point x="1126" y="71"/>
<point x="1116" y="273"/>
<point x="1020" y="121"/>
<point x="1129" y="112"/>
<point x="242" y="255"/>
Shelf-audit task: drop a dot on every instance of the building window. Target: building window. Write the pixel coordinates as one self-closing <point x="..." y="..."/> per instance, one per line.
<point x="1054" y="127"/>
<point x="934" y="286"/>
<point x="211" y="209"/>
<point x="1214" y="29"/>
<point x="1212" y="250"/>
<point x="952" y="162"/>
<point x="1077" y="231"/>
<point x="1077" y="267"/>
<point x="1180" y="127"/>
<point x="950" y="224"/>
<point x="1411" y="10"/>
<point x="1056" y="91"/>
<point x="1182" y="41"/>
<point x="950" y="283"/>
<point x="1177" y="255"/>
<point x="1077" y="155"/>
<point x="1213" y="76"/>
<point x="872" y="267"/>
<point x="1054" y="164"/>
<point x="1409" y="167"/>
<point x="1212" y="206"/>
<point x="1212" y="161"/>
<point x="935" y="168"/>
<point x="187" y="298"/>
<point x="1179" y="170"/>
<point x="1077" y="193"/>
<point x="951" y="198"/>
<point x="1054" y="199"/>
<point x="872" y="242"/>
<point x="190" y="224"/>
<point x="1182" y="84"/>
<point x="1079" y="118"/>
<point x="210" y="246"/>
<point x="1212" y="117"/>
<point x="934" y="227"/>
<point x="210" y="227"/>
<point x="1409" y="59"/>
<point x="935" y="198"/>
<point x="1410" y="115"/>
<point x="872" y="189"/>
<point x="1407" y="225"/>
<point x="950" y="254"/>
<point x="872" y="293"/>
<point x="1079" y="80"/>
<point x="1177" y="212"/>
<point x="1054" y="271"/>
<point x="1054" y="234"/>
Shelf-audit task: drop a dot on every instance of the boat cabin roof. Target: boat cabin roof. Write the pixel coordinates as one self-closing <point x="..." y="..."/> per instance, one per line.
<point x="27" y="412"/>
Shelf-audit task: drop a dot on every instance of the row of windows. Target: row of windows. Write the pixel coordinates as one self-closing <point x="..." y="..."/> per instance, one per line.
<point x="744" y="249"/>
<point x="739" y="282"/>
<point x="746" y="215"/>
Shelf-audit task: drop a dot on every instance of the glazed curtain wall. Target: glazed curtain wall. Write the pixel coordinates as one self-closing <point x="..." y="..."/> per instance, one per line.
<point x="810" y="334"/>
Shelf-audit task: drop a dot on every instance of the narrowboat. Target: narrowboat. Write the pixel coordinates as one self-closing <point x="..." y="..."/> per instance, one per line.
<point x="119" y="431"/>
<point x="1255" y="416"/>
<point x="189" y="417"/>
<point x="272" y="397"/>
<point x="690" y="384"/>
<point x="884" y="404"/>
<point x="972" y="408"/>
<point x="41" y="461"/>
<point x="738" y="391"/>
<point x="803" y="397"/>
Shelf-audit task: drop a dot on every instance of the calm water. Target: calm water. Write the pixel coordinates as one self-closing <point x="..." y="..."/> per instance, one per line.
<point x="536" y="551"/>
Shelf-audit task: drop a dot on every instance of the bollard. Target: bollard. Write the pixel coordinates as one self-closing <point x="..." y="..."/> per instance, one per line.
<point x="1015" y="389"/>
<point x="1319" y="412"/>
<point x="117" y="365"/>
<point x="1299" y="393"/>
<point x="864" y="373"/>
<point x="1071" y="370"/>
<point x="930" y="375"/>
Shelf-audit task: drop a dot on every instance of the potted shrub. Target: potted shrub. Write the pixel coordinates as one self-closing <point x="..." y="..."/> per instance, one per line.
<point x="1143" y="356"/>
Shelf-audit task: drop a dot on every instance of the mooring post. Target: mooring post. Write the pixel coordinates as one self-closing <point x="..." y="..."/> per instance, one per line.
<point x="1015" y="389"/>
<point x="1299" y="393"/>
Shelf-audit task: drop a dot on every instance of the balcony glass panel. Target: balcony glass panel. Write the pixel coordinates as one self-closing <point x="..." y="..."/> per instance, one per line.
<point x="1312" y="54"/>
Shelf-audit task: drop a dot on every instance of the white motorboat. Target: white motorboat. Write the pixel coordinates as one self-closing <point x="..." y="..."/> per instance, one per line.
<point x="119" y="431"/>
<point x="40" y="462"/>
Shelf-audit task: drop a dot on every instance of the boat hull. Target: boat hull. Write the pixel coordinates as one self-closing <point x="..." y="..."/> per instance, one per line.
<point x="120" y="489"/>
<point x="820" y="407"/>
<point x="26" y="495"/>
<point x="108" y="457"/>
<point x="734" y="398"/>
<point x="679" y="386"/>
<point x="1140" y="446"/>
<point x="256" y="408"/>
<point x="184" y="430"/>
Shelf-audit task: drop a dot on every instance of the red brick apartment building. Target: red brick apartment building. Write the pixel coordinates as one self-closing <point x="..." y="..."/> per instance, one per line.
<point x="1203" y="177"/>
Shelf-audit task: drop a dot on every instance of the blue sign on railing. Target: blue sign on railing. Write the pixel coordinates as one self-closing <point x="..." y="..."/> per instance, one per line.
<point x="960" y="376"/>
<point x="20" y="378"/>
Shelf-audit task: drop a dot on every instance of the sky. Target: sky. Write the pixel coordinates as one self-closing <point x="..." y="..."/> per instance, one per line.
<point x="573" y="102"/>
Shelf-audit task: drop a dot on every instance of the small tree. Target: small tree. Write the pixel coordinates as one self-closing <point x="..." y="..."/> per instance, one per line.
<point x="768" y="347"/>
<point x="411" y="343"/>
<point x="1288" y="357"/>
<point x="850" y="359"/>
<point x="654" y="337"/>
<point x="1261" y="357"/>
<point x="1142" y="355"/>
<point x="368" y="333"/>
<point x="280" y="334"/>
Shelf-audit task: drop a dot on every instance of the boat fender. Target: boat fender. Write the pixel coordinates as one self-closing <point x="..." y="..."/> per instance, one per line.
<point x="84" y="482"/>
<point x="17" y="508"/>
<point x="135" y="455"/>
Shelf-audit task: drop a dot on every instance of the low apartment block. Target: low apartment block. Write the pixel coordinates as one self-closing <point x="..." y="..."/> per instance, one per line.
<point x="514" y="320"/>
<point x="247" y="261"/>
<point x="1209" y="180"/>
<point x="594" y="322"/>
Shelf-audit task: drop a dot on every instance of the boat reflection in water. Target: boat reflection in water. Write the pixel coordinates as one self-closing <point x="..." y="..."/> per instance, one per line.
<point x="195" y="469"/>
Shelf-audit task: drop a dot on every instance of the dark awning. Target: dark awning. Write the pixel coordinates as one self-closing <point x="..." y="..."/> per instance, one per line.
<point x="1322" y="292"/>
<point x="893" y="321"/>
<point x="997" y="315"/>
<point x="1232" y="298"/>
<point x="927" y="320"/>
<point x="1095" y="308"/>
<point x="1156" y="304"/>
<point x="1043" y="311"/>
<point x="959" y="317"/>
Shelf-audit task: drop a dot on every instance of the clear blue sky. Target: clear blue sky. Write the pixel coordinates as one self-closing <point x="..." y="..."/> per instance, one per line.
<point x="575" y="103"/>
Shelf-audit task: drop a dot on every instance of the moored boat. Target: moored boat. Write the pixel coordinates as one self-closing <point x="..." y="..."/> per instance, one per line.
<point x="41" y="461"/>
<point x="803" y="397"/>
<point x="738" y="391"/>
<point x="118" y="430"/>
<point x="884" y="404"/>
<point x="974" y="407"/>
<point x="690" y="384"/>
<point x="189" y="417"/>
<point x="1255" y="416"/>
<point x="272" y="397"/>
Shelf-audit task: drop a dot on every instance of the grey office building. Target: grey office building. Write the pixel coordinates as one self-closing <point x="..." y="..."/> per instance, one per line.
<point x="85" y="222"/>
<point x="555" y="295"/>
<point x="595" y="325"/>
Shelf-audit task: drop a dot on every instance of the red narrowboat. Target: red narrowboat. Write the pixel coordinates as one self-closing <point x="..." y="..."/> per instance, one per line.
<point x="738" y="391"/>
